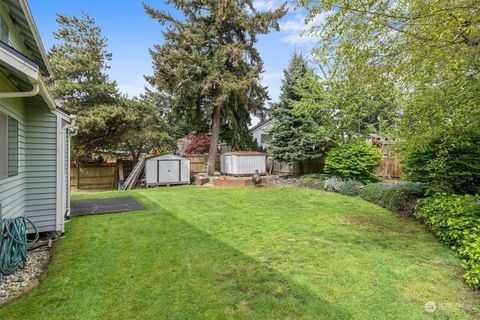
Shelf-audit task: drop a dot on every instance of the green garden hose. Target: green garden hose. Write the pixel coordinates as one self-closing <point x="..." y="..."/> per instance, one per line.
<point x="13" y="244"/>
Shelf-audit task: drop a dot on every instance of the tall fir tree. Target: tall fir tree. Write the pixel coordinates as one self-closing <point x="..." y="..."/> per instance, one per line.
<point x="294" y="135"/>
<point x="145" y="129"/>
<point x="79" y="62"/>
<point x="208" y="63"/>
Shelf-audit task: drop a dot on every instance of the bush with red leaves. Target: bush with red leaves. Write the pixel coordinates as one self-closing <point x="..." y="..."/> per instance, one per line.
<point x="198" y="144"/>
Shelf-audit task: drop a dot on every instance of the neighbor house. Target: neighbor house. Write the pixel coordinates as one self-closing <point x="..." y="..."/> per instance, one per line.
<point x="260" y="132"/>
<point x="34" y="132"/>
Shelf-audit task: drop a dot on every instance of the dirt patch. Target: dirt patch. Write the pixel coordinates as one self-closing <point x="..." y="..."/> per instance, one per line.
<point x="357" y="220"/>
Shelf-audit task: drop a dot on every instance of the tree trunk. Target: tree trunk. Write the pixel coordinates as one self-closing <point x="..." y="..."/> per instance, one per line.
<point x="212" y="154"/>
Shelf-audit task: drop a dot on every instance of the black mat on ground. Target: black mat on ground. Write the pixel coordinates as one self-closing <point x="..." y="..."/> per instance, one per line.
<point x="98" y="206"/>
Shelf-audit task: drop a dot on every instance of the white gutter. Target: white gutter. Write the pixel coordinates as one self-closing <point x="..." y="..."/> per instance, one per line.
<point x="21" y="94"/>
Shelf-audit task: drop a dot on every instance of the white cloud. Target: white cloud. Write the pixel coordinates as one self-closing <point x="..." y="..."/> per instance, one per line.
<point x="264" y="5"/>
<point x="296" y="30"/>
<point x="273" y="80"/>
<point x="132" y="90"/>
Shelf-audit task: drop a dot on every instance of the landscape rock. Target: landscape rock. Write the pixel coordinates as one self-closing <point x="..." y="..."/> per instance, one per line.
<point x="22" y="280"/>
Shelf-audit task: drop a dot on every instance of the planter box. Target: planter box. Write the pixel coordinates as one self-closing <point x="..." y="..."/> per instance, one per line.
<point x="232" y="182"/>
<point x="201" y="181"/>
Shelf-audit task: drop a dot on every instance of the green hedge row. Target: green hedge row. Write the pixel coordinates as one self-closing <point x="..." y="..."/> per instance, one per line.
<point x="455" y="220"/>
<point x="399" y="197"/>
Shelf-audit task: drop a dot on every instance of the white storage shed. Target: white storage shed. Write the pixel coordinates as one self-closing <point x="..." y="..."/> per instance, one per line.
<point x="243" y="163"/>
<point x="166" y="170"/>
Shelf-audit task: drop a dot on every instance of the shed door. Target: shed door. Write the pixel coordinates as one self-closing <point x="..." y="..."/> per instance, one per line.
<point x="168" y="171"/>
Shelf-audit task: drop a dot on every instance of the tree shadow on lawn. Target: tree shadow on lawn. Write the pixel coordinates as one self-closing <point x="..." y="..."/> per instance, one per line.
<point x="153" y="265"/>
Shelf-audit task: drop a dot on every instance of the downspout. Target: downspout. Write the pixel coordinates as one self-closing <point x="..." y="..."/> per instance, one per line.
<point x="71" y="130"/>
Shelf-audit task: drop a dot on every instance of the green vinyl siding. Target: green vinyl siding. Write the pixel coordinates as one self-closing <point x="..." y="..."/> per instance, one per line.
<point x="12" y="189"/>
<point x="32" y="192"/>
<point x="41" y="181"/>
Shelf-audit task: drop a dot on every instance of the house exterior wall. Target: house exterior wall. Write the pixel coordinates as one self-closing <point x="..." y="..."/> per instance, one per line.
<point x="12" y="189"/>
<point x="41" y="168"/>
<point x="34" y="192"/>
<point x="262" y="130"/>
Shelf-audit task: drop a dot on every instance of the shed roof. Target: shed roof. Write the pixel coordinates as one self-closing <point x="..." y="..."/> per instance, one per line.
<point x="245" y="153"/>
<point x="168" y="157"/>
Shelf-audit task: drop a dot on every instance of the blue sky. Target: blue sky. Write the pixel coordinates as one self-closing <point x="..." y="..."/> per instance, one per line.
<point x="131" y="33"/>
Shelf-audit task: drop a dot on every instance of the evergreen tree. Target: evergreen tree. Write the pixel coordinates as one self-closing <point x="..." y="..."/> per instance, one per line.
<point x="145" y="129"/>
<point x="79" y="63"/>
<point x="208" y="63"/>
<point x="295" y="135"/>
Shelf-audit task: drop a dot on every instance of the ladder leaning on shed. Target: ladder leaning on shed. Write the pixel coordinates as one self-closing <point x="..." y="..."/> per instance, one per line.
<point x="135" y="174"/>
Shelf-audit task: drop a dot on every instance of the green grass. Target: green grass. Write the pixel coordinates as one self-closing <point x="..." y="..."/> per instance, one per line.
<point x="245" y="253"/>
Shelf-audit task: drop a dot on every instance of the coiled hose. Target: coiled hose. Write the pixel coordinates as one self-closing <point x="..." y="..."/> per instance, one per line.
<point x="13" y="244"/>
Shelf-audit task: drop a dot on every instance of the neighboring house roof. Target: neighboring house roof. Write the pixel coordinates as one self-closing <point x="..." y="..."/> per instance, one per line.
<point x="21" y="16"/>
<point x="261" y="124"/>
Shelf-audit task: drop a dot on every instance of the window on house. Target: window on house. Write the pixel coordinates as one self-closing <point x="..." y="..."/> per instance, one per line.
<point x="264" y="138"/>
<point x="4" y="31"/>
<point x="8" y="146"/>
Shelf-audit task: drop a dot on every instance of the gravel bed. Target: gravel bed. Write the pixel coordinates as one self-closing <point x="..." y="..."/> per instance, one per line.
<point x="24" y="279"/>
<point x="294" y="182"/>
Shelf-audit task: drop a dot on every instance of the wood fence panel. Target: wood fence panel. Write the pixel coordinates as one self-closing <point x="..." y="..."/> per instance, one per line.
<point x="389" y="167"/>
<point x="94" y="176"/>
<point x="197" y="162"/>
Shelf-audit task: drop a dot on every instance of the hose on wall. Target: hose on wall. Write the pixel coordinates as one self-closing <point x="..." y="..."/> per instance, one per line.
<point x="13" y="244"/>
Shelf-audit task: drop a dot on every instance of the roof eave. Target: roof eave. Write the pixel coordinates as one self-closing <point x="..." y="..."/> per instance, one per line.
<point x="33" y="26"/>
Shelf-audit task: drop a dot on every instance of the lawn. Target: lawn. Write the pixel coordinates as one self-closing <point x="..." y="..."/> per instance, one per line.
<point x="245" y="253"/>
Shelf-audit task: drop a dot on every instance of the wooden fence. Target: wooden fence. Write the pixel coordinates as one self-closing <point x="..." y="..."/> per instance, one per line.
<point x="98" y="176"/>
<point x="390" y="166"/>
<point x="297" y="168"/>
<point x="197" y="162"/>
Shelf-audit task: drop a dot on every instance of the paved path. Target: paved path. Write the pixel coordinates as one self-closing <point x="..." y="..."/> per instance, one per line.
<point x="99" y="206"/>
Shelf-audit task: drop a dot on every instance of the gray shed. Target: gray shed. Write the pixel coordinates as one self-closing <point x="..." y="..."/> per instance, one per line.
<point x="166" y="170"/>
<point x="243" y="163"/>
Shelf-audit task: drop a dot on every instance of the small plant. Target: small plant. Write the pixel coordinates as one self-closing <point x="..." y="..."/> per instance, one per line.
<point x="354" y="160"/>
<point x="351" y="188"/>
<point x="399" y="197"/>
<point x="333" y="184"/>
<point x="455" y="220"/>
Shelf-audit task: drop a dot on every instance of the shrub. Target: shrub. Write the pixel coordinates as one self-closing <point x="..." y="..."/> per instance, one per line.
<point x="399" y="197"/>
<point x="355" y="160"/>
<point x="314" y="183"/>
<point x="319" y="176"/>
<point x="198" y="144"/>
<point x="347" y="187"/>
<point x="333" y="184"/>
<point x="455" y="220"/>
<point x="351" y="188"/>
<point x="449" y="161"/>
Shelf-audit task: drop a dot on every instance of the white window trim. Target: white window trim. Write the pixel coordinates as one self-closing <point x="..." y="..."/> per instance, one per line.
<point x="5" y="154"/>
